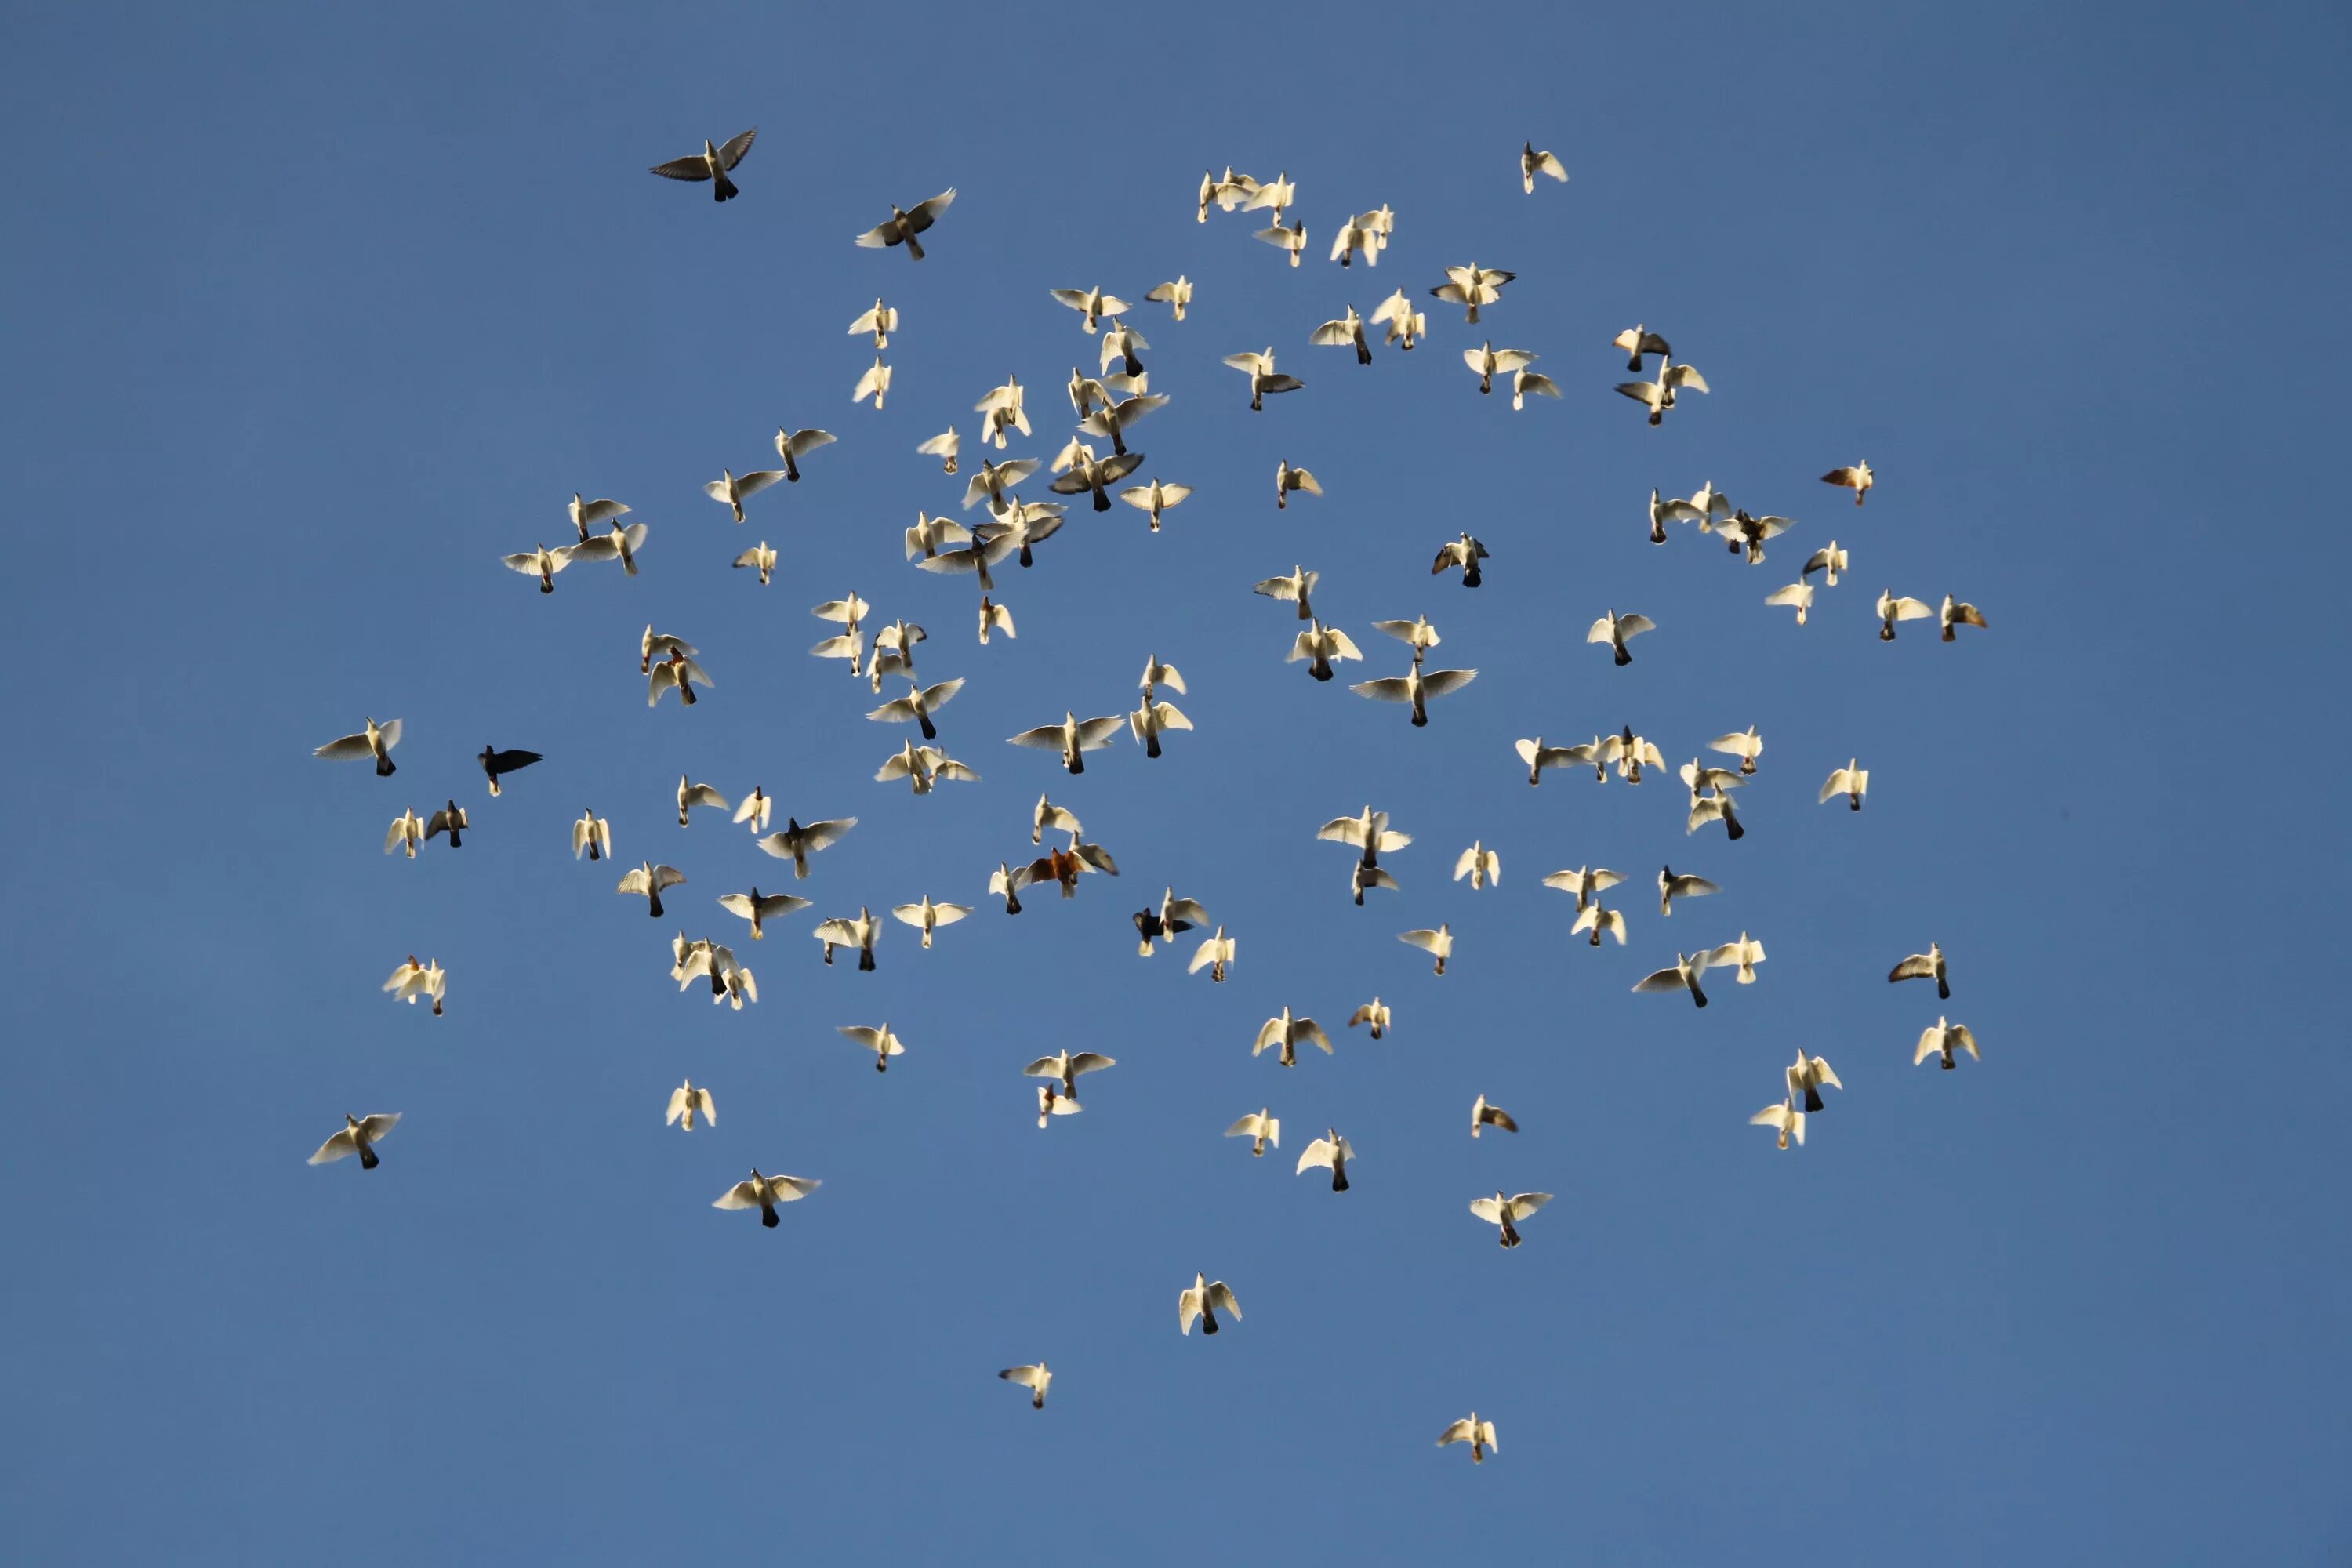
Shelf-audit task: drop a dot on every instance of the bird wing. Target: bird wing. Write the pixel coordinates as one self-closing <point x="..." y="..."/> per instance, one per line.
<point x="752" y="483"/>
<point x="1090" y="1061"/>
<point x="1491" y="1211"/>
<point x="1964" y="1039"/>
<point x="731" y="153"/>
<point x="1462" y="1431"/>
<point x="1634" y="625"/>
<point x="838" y="932"/>
<point x="1247" y="1127"/>
<point x="1094" y="734"/>
<point x="1918" y="966"/>
<point x="667" y="877"/>
<point x="922" y="215"/>
<point x="1043" y="738"/>
<point x="741" y="1196"/>
<point x="1833" y="788"/>
<point x="736" y="904"/>
<point x="1660" y="981"/>
<point x="1219" y="1296"/>
<point x="1439" y="682"/>
<point x="818" y="836"/>
<point x="1428" y="941"/>
<point x="1395" y="688"/>
<point x="1320" y="1153"/>
<point x="692" y="168"/>
<point x="947" y="914"/>
<point x="680" y="1103"/>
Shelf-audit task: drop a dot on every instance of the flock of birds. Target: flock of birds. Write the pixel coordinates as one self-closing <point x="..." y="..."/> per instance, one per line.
<point x="1107" y="408"/>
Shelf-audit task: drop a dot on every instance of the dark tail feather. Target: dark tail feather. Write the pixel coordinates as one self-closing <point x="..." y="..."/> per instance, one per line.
<point x="1943" y="989"/>
<point x="914" y="247"/>
<point x="1360" y="898"/>
<point x="1151" y="744"/>
<point x="1208" y="1322"/>
<point x="866" y="958"/>
<point x="1698" y="996"/>
<point x="1472" y="578"/>
<point x="1510" y="1236"/>
<point x="1731" y="825"/>
<point x="1102" y="499"/>
<point x="1338" y="1181"/>
<point x="368" y="1161"/>
<point x="385" y="767"/>
<point x="1363" y="353"/>
<point x="685" y="692"/>
<point x="768" y="1218"/>
<point x="1077" y="761"/>
<point x="1134" y="366"/>
<point x="1885" y="632"/>
<point x="930" y="731"/>
<point x="653" y="905"/>
<point x="722" y="188"/>
<point x="1948" y="1063"/>
<point x="1319" y="670"/>
<point x="1812" y="1100"/>
<point x="1012" y="903"/>
<point x="1623" y="657"/>
<point x="881" y="1064"/>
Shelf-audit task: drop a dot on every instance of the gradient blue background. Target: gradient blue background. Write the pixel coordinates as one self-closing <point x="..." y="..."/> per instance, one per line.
<point x="314" y="315"/>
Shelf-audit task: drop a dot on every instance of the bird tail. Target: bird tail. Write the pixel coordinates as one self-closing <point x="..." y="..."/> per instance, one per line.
<point x="1363" y="353"/>
<point x="1948" y="1063"/>
<point x="1338" y="1181"/>
<point x="1012" y="903"/>
<point x="1510" y="1236"/>
<point x="768" y="1219"/>
<point x="866" y="958"/>
<point x="930" y="731"/>
<point x="1151" y="744"/>
<point x="495" y="790"/>
<point x="1208" y="1322"/>
<point x="1812" y="1100"/>
<point x="1624" y="658"/>
<point x="385" y="767"/>
<point x="653" y="905"/>
<point x="1731" y="827"/>
<point x="1943" y="989"/>
<point x="914" y="247"/>
<point x="368" y="1161"/>
<point x="1472" y="577"/>
<point x="723" y="189"/>
<point x="1102" y="499"/>
<point x="1077" y="761"/>
<point x="1697" y="996"/>
<point x="685" y="692"/>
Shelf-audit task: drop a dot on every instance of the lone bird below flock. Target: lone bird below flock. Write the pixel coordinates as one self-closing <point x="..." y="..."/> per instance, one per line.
<point x="1506" y="1212"/>
<point x="1470" y="1429"/>
<point x="764" y="1193"/>
<point x="360" y="1136"/>
<point x="1201" y="1301"/>
<point x="712" y="163"/>
<point x="1287" y="480"/>
<point x="1532" y="163"/>
<point x="1377" y="1014"/>
<point x="1036" y="1379"/>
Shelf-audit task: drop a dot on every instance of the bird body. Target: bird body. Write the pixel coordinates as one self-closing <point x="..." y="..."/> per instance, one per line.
<point x="1330" y="1152"/>
<point x="1927" y="965"/>
<point x="1263" y="1131"/>
<point x="764" y="1194"/>
<point x="1439" y="942"/>
<point x="904" y="223"/>
<point x="686" y="1103"/>
<point x="712" y="163"/>
<point x="377" y="740"/>
<point x="360" y="1135"/>
<point x="1201" y="1302"/>
<point x="1532" y="163"/>
<point x="1506" y="1212"/>
<point x="1940" y="1038"/>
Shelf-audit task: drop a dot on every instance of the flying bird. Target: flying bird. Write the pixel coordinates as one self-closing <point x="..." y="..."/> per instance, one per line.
<point x="1356" y="238"/>
<point x="1091" y="304"/>
<point x="1744" y="954"/>
<point x="1671" y="887"/>
<point x="731" y="490"/>
<point x="760" y="556"/>
<point x="1071" y="737"/>
<point x="1613" y="629"/>
<point x="918" y="706"/>
<point x="1940" y="1038"/>
<point x="881" y="1042"/>
<point x="860" y="933"/>
<point x="875" y="383"/>
<point x="661" y="645"/>
<point x="676" y="670"/>
<point x="1585" y="882"/>
<point x="1174" y="916"/>
<point x="1369" y="833"/>
<point x="1526" y="382"/>
<point x="377" y="740"/>
<point x="1480" y="1435"/>
<point x="1405" y="324"/>
<point x="947" y="446"/>
<point x="1377" y="1014"/>
<point x="584" y="514"/>
<point x="1483" y="1116"/>
<point x="1330" y="1153"/>
<point x="1659" y="396"/>
<point x="1277" y="194"/>
<point x="881" y="322"/>
<point x="1263" y="1129"/>
<point x="1785" y="1118"/>
<point x="593" y="834"/>
<point x="360" y="1135"/>
<point x="1828" y="560"/>
<point x="1201" y="1302"/>
<point x="1292" y="239"/>
<point x="690" y="795"/>
<point x="496" y="763"/>
<point x="1538" y="757"/>
<point x="1153" y="718"/>
<point x="994" y="617"/>
<point x="407" y="832"/>
<point x="1155" y="499"/>
<point x="647" y="881"/>
<point x="1321" y="645"/>
<point x="1797" y="596"/>
<point x="797" y="842"/>
<point x="923" y="768"/>
<point x="1857" y="479"/>
<point x="761" y="908"/>
<point x="1286" y="1031"/>
<point x="1416" y="688"/>
<point x="1506" y="1212"/>
<point x="1489" y="361"/>
<point x="1465" y="553"/>
<point x="1849" y="781"/>
<point x="686" y="1103"/>
<point x="1473" y="288"/>
<point x="1684" y="977"/>
<point x="1927" y="965"/>
<point x="1036" y="1379"/>
<point x="616" y="543"/>
<point x="1177" y="296"/>
<point x="1956" y="614"/>
<point x="1747" y="747"/>
<point x="712" y="163"/>
<point x="1346" y="330"/>
<point x="1599" y="921"/>
<point x="1259" y="368"/>
<point x="904" y="225"/>
<point x="1297" y="588"/>
<point x="1892" y="609"/>
<point x="413" y="980"/>
<point x="1481" y="865"/>
<point x="1808" y="1076"/>
<point x="1638" y="340"/>
<point x="1287" y="480"/>
<point x="1439" y="942"/>
<point x="450" y="819"/>
<point x="1532" y="163"/>
<point x="1214" y="954"/>
<point x="764" y="1193"/>
<point x="926" y="917"/>
<point x="1065" y="1070"/>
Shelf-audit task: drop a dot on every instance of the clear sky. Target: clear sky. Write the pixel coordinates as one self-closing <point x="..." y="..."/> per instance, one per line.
<point x="316" y="311"/>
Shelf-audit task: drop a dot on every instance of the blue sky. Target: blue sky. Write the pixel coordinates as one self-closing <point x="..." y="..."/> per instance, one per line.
<point x="318" y="314"/>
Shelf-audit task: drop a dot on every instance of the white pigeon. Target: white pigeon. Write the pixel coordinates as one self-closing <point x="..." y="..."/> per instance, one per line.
<point x="875" y="383"/>
<point x="1481" y="865"/>
<point x="1955" y="613"/>
<point x="1299" y="588"/>
<point x="712" y="163"/>
<point x="881" y="1042"/>
<point x="660" y="644"/>
<point x="731" y="488"/>
<point x="1439" y="942"/>
<point x="755" y="809"/>
<point x="1638" y="340"/>
<point x="1263" y="1129"/>
<point x="1892" y="609"/>
<point x="1659" y="396"/>
<point x="764" y="1193"/>
<point x="1214" y="954"/>
<point x="1368" y="832"/>
<point x="377" y="740"/>
<point x="919" y="705"/>
<point x="1036" y="1379"/>
<point x="1404" y="324"/>
<point x="1506" y="1212"/>
<point x="1415" y="686"/>
<point x="690" y="795"/>
<point x="1585" y="882"/>
<point x="360" y="1136"/>
<point x="413" y="980"/>
<point x="1850" y="781"/>
<point x="1203" y="1302"/>
<point x="1155" y="499"/>
<point x="1746" y="745"/>
<point x="1743" y="955"/>
<point x="1462" y="554"/>
<point x="761" y="908"/>
<point x="860" y="933"/>
<point x="947" y="446"/>
<point x="1470" y="1429"/>
<point x="686" y="1103"/>
<point x="407" y="831"/>
<point x="1927" y="965"/>
<point x="1376" y="1012"/>
<point x="797" y="842"/>
<point x="1170" y="920"/>
<point x="1613" y="629"/>
<point x="1319" y="645"/>
<point x="1091" y="304"/>
<point x="791" y="446"/>
<point x="1829" y="560"/>
<point x="762" y="557"/>
<point x="585" y="514"/>
<point x="1292" y="239"/>
<point x="1526" y="383"/>
<point x="881" y="322"/>
<point x="1473" y="288"/>
<point x="1071" y="737"/>
<point x="1345" y="332"/>
<point x="1065" y="1070"/>
<point x="1483" y="1116"/>
<point x="647" y="882"/>
<point x="1286" y="1031"/>
<point x="1330" y="1153"/>
<point x="1797" y="596"/>
<point x="1177" y="295"/>
<point x="1153" y="718"/>
<point x="1489" y="361"/>
<point x="928" y="916"/>
<point x="1532" y="163"/>
<point x="1940" y="1038"/>
<point x="1599" y="921"/>
<point x="1684" y="977"/>
<point x="1785" y="1118"/>
<point x="679" y="672"/>
<point x="593" y="834"/>
<point x="1671" y="887"/>
<point x="994" y="617"/>
<point x="1808" y="1076"/>
<point x="1264" y="378"/>
<point x="1540" y="757"/>
<point x="1857" y="479"/>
